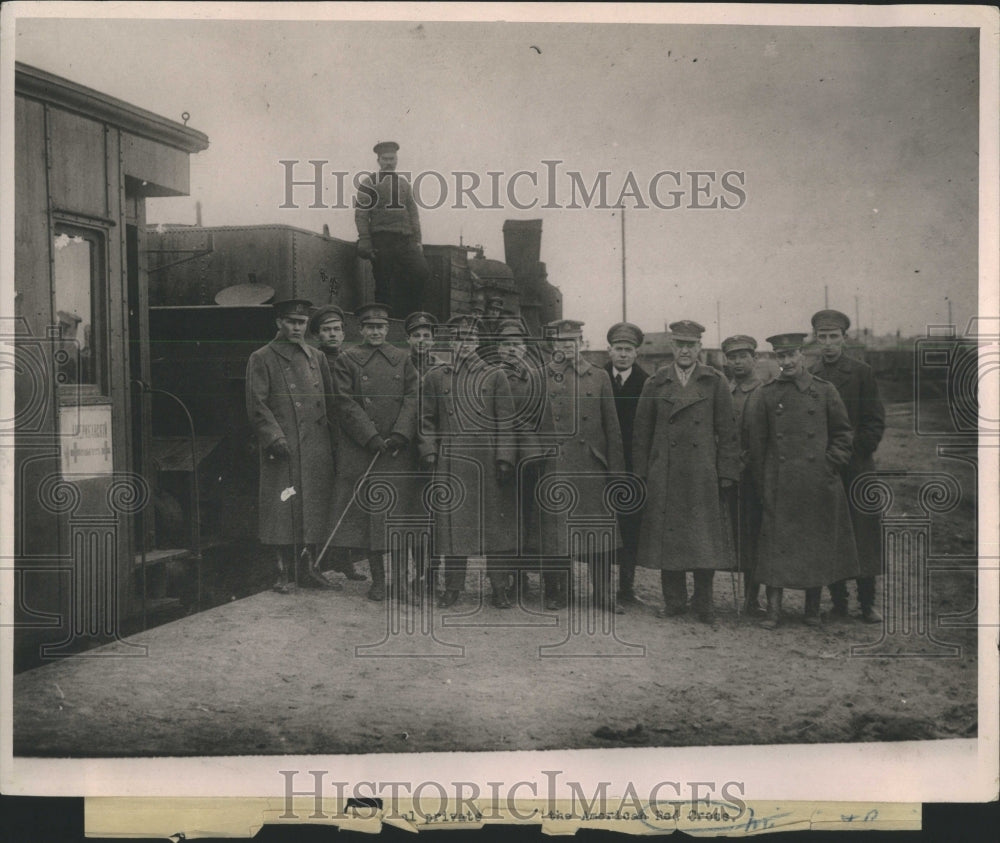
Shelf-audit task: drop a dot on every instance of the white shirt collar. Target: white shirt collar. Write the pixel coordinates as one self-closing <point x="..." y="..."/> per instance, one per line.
<point x="624" y="374"/>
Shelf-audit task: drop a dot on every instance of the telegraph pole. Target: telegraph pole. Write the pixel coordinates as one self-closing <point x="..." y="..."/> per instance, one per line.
<point x="624" y="306"/>
<point x="857" y="319"/>
<point x="718" y="320"/>
<point x="826" y="296"/>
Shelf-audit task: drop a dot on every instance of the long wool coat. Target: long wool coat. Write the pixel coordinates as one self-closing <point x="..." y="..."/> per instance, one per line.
<point x="685" y="442"/>
<point x="533" y="430"/>
<point x="857" y="388"/>
<point x="376" y="395"/>
<point x="590" y="448"/>
<point x="800" y="438"/>
<point x="289" y="396"/>
<point x="461" y="408"/>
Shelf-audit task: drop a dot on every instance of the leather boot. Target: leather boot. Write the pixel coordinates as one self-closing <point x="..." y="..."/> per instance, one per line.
<point x="866" y="597"/>
<point x="377" y="565"/>
<point x="751" y="603"/>
<point x="398" y="586"/>
<point x="838" y="594"/>
<point x="703" y="596"/>
<point x="310" y="575"/>
<point x="281" y="584"/>
<point x="498" y="585"/>
<point x="773" y="618"/>
<point x="812" y="606"/>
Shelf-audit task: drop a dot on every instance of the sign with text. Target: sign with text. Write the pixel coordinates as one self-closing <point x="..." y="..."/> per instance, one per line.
<point x="85" y="439"/>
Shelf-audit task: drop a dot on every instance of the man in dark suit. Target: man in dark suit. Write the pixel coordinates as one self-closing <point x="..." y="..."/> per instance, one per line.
<point x="627" y="379"/>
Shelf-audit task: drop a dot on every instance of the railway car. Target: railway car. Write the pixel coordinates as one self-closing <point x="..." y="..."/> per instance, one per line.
<point x="129" y="343"/>
<point x="77" y="342"/>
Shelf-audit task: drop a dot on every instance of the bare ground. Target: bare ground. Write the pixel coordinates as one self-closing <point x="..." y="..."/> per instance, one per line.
<point x="274" y="673"/>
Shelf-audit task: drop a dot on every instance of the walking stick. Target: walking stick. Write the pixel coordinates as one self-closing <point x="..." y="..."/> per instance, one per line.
<point x="739" y="547"/>
<point x="291" y="517"/>
<point x="354" y="496"/>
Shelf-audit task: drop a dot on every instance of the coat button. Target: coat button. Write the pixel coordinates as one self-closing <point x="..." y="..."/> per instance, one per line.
<point x="673" y="442"/>
<point x="451" y="412"/>
<point x="291" y="386"/>
<point x="781" y="459"/>
<point x="298" y="403"/>
<point x="779" y="435"/>
<point x="447" y="390"/>
<point x="811" y="458"/>
<point x="368" y="401"/>
<point x="364" y="377"/>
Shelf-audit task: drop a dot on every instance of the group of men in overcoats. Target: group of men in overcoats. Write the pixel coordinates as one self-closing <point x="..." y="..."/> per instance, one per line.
<point x="737" y="473"/>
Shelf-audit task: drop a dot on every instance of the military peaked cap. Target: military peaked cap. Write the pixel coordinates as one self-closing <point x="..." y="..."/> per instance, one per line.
<point x="787" y="342"/>
<point x="292" y="307"/>
<point x="686" y="330"/>
<point x="325" y="314"/>
<point x="419" y="319"/>
<point x="738" y="342"/>
<point x="830" y="319"/>
<point x="625" y="332"/>
<point x="372" y="312"/>
<point x="386" y="146"/>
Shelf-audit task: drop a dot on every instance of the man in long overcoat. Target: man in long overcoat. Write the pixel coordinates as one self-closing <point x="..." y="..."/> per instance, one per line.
<point x="463" y="405"/>
<point x="590" y="447"/>
<point x="420" y="327"/>
<point x="858" y="389"/>
<point x="376" y="388"/>
<point x="532" y="427"/>
<point x="685" y="447"/>
<point x="290" y="404"/>
<point x="327" y="327"/>
<point x="800" y="439"/>
<point x="627" y="380"/>
<point x="745" y="508"/>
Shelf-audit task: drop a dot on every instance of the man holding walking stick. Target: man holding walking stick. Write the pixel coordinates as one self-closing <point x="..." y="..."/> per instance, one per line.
<point x="376" y="397"/>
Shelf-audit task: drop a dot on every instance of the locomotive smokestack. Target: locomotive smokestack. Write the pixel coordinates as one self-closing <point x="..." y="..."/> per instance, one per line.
<point x="522" y="241"/>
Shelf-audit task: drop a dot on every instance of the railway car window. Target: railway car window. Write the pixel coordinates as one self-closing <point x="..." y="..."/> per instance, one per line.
<point x="78" y="292"/>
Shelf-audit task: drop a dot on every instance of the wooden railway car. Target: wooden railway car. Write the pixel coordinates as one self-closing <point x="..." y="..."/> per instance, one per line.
<point x="85" y="164"/>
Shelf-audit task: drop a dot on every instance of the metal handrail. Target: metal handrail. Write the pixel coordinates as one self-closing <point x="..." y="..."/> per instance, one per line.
<point x="195" y="497"/>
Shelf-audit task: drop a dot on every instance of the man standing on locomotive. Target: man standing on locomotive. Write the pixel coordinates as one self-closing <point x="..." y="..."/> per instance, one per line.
<point x="290" y="404"/>
<point x="388" y="222"/>
<point x="376" y="386"/>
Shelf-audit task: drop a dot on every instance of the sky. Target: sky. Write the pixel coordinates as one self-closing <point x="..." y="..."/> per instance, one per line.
<point x="858" y="149"/>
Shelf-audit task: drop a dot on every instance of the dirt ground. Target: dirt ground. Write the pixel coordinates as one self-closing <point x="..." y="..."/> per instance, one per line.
<point x="275" y="673"/>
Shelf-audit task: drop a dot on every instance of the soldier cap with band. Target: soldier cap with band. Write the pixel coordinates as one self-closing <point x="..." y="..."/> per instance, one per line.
<point x="685" y="329"/>
<point x="738" y="342"/>
<point x="385" y="146"/>
<point x="512" y="328"/>
<point x="625" y="332"/>
<point x="564" y="329"/>
<point x="787" y="342"/>
<point x="830" y="319"/>
<point x="292" y="307"/>
<point x="373" y="312"/>
<point x="419" y="319"/>
<point x="494" y="301"/>
<point x="464" y="323"/>
<point x="327" y="313"/>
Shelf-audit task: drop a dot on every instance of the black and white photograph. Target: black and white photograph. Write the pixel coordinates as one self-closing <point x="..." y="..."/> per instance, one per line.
<point x="440" y="394"/>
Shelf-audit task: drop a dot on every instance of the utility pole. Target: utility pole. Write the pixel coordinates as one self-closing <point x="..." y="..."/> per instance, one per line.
<point x="624" y="306"/>
<point x="857" y="319"/>
<point x="948" y="299"/>
<point x="718" y="320"/>
<point x="826" y="296"/>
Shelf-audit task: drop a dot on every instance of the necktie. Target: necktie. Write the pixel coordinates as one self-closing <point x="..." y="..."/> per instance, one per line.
<point x="618" y="380"/>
